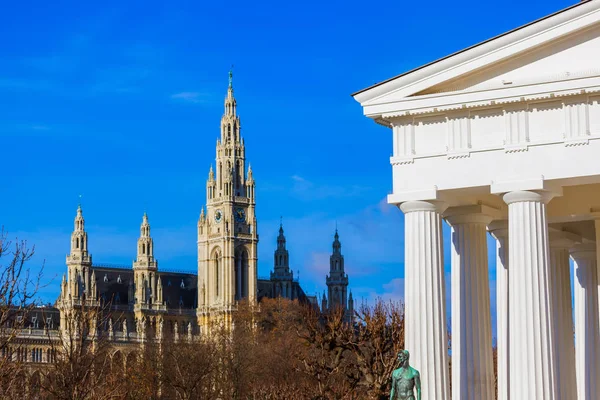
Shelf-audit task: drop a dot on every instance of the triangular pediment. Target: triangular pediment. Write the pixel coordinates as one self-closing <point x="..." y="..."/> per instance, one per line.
<point x="574" y="56"/>
<point x="563" y="46"/>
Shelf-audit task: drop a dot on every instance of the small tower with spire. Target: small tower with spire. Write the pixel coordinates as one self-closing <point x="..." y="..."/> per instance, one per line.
<point x="79" y="263"/>
<point x="337" y="280"/>
<point x="282" y="277"/>
<point x="147" y="285"/>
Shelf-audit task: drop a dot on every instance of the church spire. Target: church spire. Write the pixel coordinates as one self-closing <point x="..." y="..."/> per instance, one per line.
<point x="145" y="248"/>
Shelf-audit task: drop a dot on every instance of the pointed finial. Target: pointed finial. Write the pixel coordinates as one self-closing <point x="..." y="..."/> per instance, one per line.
<point x="231" y="77"/>
<point x="281" y="221"/>
<point x="79" y="202"/>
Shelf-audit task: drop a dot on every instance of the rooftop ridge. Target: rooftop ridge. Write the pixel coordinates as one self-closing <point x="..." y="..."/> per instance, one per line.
<point x="130" y="268"/>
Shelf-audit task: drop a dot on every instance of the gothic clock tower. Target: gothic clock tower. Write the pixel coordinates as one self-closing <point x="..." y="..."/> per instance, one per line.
<point x="227" y="237"/>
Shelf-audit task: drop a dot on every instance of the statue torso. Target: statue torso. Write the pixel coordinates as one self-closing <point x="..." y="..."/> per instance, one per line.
<point x="404" y="383"/>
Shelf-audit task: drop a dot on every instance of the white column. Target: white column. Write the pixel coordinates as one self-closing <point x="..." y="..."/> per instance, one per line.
<point x="597" y="226"/>
<point x="499" y="230"/>
<point x="532" y="372"/>
<point x="425" y="303"/>
<point x="587" y="349"/>
<point x="472" y="362"/>
<point x="560" y="277"/>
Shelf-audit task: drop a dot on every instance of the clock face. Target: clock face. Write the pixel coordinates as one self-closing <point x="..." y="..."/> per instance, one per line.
<point x="218" y="215"/>
<point x="240" y="215"/>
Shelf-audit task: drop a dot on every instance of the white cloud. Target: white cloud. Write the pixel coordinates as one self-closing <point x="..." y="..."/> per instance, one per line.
<point x="309" y="190"/>
<point x="190" y="97"/>
<point x="39" y="127"/>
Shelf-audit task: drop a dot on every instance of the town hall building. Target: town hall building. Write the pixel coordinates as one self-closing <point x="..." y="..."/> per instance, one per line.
<point x="153" y="304"/>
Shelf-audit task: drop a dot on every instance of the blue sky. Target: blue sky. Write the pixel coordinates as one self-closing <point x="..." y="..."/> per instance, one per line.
<point x="121" y="101"/>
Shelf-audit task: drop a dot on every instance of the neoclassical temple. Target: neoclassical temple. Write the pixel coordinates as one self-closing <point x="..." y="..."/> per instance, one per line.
<point x="149" y="303"/>
<point x="502" y="138"/>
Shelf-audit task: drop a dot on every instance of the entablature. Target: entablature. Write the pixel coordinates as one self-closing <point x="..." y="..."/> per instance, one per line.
<point x="515" y="126"/>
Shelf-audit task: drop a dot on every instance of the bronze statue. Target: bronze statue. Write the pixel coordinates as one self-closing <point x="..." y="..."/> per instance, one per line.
<point x="405" y="379"/>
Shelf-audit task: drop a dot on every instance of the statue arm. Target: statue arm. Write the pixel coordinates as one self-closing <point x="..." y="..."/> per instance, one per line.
<point x="393" y="387"/>
<point x="418" y="384"/>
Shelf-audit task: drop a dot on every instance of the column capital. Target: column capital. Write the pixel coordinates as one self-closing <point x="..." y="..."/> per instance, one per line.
<point x="498" y="228"/>
<point x="423" y="205"/>
<point x="563" y="239"/>
<point x="584" y="251"/>
<point x="518" y="196"/>
<point x="471" y="214"/>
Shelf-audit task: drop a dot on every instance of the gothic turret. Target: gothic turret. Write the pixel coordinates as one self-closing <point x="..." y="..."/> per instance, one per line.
<point x="146" y="278"/>
<point x="337" y="280"/>
<point x="79" y="261"/>
<point x="282" y="276"/>
<point x="145" y="248"/>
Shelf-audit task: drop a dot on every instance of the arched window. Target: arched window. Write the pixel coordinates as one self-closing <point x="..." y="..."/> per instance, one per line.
<point x="77" y="243"/>
<point x="221" y="175"/>
<point x="217" y="273"/>
<point x="244" y="273"/>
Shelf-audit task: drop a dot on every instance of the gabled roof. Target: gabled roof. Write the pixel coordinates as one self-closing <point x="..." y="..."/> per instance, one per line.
<point x="474" y="52"/>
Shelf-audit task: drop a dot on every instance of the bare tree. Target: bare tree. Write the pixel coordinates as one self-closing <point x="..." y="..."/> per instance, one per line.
<point x="188" y="369"/>
<point x="82" y="367"/>
<point x="327" y="357"/>
<point x="18" y="288"/>
<point x="377" y="339"/>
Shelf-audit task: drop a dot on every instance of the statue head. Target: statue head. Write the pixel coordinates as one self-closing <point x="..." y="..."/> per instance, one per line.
<point x="403" y="357"/>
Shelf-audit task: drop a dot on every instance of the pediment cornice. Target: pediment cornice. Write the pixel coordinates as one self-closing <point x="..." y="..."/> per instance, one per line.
<point x="494" y="51"/>
<point x="501" y="98"/>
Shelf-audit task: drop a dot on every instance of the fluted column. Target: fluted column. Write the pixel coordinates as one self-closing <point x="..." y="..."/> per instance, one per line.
<point x="425" y="303"/>
<point x="532" y="358"/>
<point x="560" y="281"/>
<point x="499" y="230"/>
<point x="587" y="350"/>
<point x="472" y="362"/>
<point x="597" y="226"/>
